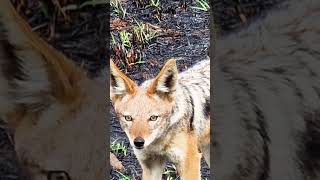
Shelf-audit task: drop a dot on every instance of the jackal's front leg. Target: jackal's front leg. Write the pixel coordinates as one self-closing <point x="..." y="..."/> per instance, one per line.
<point x="189" y="167"/>
<point x="152" y="169"/>
<point x="190" y="170"/>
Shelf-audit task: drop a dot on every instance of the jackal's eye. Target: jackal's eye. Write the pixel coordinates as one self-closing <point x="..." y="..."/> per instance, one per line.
<point x="153" y="118"/>
<point x="128" y="118"/>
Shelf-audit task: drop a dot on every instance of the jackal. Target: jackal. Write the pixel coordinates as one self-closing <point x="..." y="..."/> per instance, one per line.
<point x="167" y="117"/>
<point x="44" y="96"/>
<point x="267" y="97"/>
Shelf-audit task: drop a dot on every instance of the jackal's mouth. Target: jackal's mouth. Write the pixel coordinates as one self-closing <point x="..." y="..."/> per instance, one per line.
<point x="138" y="147"/>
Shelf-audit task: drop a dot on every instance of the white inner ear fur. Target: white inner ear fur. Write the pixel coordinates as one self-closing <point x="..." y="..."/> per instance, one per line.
<point x="161" y="84"/>
<point x="37" y="82"/>
<point x="119" y="88"/>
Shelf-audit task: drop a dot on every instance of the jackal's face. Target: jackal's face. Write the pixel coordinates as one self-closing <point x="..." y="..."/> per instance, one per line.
<point x="144" y="111"/>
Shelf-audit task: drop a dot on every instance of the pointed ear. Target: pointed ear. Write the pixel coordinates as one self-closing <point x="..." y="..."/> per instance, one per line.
<point x="120" y="84"/>
<point x="166" y="81"/>
<point x="32" y="73"/>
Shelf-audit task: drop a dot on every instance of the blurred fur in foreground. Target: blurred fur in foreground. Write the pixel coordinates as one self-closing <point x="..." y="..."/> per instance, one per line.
<point x="56" y="111"/>
<point x="267" y="98"/>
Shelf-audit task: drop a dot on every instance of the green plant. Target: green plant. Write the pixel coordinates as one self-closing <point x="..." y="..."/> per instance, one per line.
<point x="113" y="40"/>
<point x="154" y="3"/>
<point x="140" y="61"/>
<point x="123" y="176"/>
<point x="125" y="38"/>
<point x="44" y="9"/>
<point x="169" y="178"/>
<point x="118" y="148"/>
<point x="117" y="8"/>
<point x="142" y="33"/>
<point x="169" y="172"/>
<point x="202" y="5"/>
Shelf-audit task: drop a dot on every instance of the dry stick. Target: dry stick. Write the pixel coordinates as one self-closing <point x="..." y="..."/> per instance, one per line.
<point x="62" y="11"/>
<point x="52" y="28"/>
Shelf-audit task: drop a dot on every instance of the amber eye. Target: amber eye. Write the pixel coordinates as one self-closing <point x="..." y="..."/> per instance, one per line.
<point x="128" y="118"/>
<point x="153" y="118"/>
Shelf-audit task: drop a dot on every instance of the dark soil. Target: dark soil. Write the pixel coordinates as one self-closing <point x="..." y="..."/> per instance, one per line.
<point x="186" y="37"/>
<point x="9" y="168"/>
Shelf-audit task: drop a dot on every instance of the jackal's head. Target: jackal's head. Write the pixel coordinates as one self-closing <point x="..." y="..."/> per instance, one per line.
<point x="144" y="111"/>
<point x="46" y="99"/>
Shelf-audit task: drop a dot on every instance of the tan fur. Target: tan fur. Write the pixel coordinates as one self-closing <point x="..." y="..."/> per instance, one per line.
<point x="130" y="85"/>
<point x="189" y="168"/>
<point x="166" y="138"/>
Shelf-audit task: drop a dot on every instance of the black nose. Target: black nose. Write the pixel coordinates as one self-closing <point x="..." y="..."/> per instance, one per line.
<point x="138" y="142"/>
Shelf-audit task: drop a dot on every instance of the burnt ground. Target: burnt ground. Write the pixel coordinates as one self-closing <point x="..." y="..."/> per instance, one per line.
<point x="182" y="33"/>
<point x="80" y="34"/>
